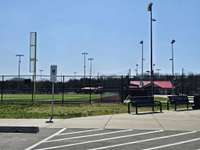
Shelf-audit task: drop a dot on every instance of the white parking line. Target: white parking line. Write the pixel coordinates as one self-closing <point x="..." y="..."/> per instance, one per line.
<point x="141" y="141"/>
<point x="91" y="135"/>
<point x="173" y="144"/>
<point x="100" y="140"/>
<point x="84" y="131"/>
<point x="38" y="143"/>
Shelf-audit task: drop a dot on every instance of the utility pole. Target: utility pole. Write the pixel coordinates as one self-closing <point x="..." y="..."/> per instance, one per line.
<point x="84" y="66"/>
<point x="19" y="63"/>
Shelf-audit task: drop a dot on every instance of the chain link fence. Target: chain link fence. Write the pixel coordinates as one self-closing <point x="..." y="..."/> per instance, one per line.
<point x="89" y="89"/>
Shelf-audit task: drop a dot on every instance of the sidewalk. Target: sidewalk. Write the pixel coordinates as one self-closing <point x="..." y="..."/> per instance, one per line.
<point x="168" y="120"/>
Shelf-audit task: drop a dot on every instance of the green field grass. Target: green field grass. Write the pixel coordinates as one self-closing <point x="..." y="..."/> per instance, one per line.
<point x="67" y="97"/>
<point x="58" y="97"/>
<point x="60" y="111"/>
<point x="69" y="110"/>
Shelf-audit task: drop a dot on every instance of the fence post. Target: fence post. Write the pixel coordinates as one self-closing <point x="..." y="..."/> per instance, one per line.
<point x="2" y="87"/>
<point x="32" y="84"/>
<point x="122" y="88"/>
<point x="101" y="89"/>
<point x="90" y="90"/>
<point x="63" y="89"/>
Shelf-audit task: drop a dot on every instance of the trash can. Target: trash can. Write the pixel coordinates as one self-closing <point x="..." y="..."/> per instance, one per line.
<point x="196" y="102"/>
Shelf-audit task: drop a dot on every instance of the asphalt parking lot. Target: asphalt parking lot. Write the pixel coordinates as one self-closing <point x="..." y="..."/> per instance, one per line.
<point x="99" y="139"/>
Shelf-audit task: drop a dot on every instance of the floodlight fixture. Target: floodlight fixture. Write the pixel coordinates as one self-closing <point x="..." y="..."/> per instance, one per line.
<point x="149" y="8"/>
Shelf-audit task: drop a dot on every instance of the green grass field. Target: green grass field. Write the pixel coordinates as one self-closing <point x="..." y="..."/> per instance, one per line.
<point x="58" y="97"/>
<point x="29" y="110"/>
<point x="67" y="111"/>
<point x="60" y="111"/>
<point x="67" y="97"/>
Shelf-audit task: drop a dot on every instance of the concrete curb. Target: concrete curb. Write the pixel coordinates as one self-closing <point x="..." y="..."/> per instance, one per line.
<point x="19" y="129"/>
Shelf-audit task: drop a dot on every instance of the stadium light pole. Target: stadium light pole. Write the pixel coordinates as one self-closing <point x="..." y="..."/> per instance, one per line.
<point x="172" y="59"/>
<point x="19" y="63"/>
<point x="142" y="63"/>
<point x="90" y="60"/>
<point x="136" y="70"/>
<point x="84" y="66"/>
<point x="151" y="47"/>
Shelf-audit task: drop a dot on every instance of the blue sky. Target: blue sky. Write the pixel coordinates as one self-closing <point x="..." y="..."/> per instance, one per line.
<point x="109" y="30"/>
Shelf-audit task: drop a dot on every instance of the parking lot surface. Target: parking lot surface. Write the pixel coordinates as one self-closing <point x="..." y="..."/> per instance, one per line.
<point x="117" y="139"/>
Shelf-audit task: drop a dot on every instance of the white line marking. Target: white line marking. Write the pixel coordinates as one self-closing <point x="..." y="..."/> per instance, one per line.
<point x="93" y="141"/>
<point x="91" y="135"/>
<point x="173" y="144"/>
<point x="141" y="141"/>
<point x="38" y="143"/>
<point x="84" y="131"/>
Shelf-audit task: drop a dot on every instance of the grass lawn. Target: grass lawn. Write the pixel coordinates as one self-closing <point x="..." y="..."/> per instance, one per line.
<point x="60" y="111"/>
<point x="70" y="96"/>
<point x="67" y="111"/>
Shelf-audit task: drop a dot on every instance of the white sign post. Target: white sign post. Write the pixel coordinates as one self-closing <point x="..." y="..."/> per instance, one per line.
<point x="53" y="76"/>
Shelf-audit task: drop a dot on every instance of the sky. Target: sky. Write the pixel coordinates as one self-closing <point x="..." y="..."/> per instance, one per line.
<point x="109" y="30"/>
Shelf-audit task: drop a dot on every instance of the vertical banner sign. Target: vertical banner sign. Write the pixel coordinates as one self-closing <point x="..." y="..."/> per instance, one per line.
<point x="53" y="73"/>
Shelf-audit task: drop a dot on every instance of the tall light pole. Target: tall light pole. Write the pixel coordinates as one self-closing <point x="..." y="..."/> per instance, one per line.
<point x="19" y="63"/>
<point x="172" y="59"/>
<point x="129" y="72"/>
<point x="151" y="46"/>
<point x="84" y="66"/>
<point x="142" y="63"/>
<point x="90" y="60"/>
<point x="136" y="70"/>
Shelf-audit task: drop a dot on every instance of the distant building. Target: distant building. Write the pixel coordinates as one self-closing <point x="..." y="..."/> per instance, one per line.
<point x="160" y="87"/>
